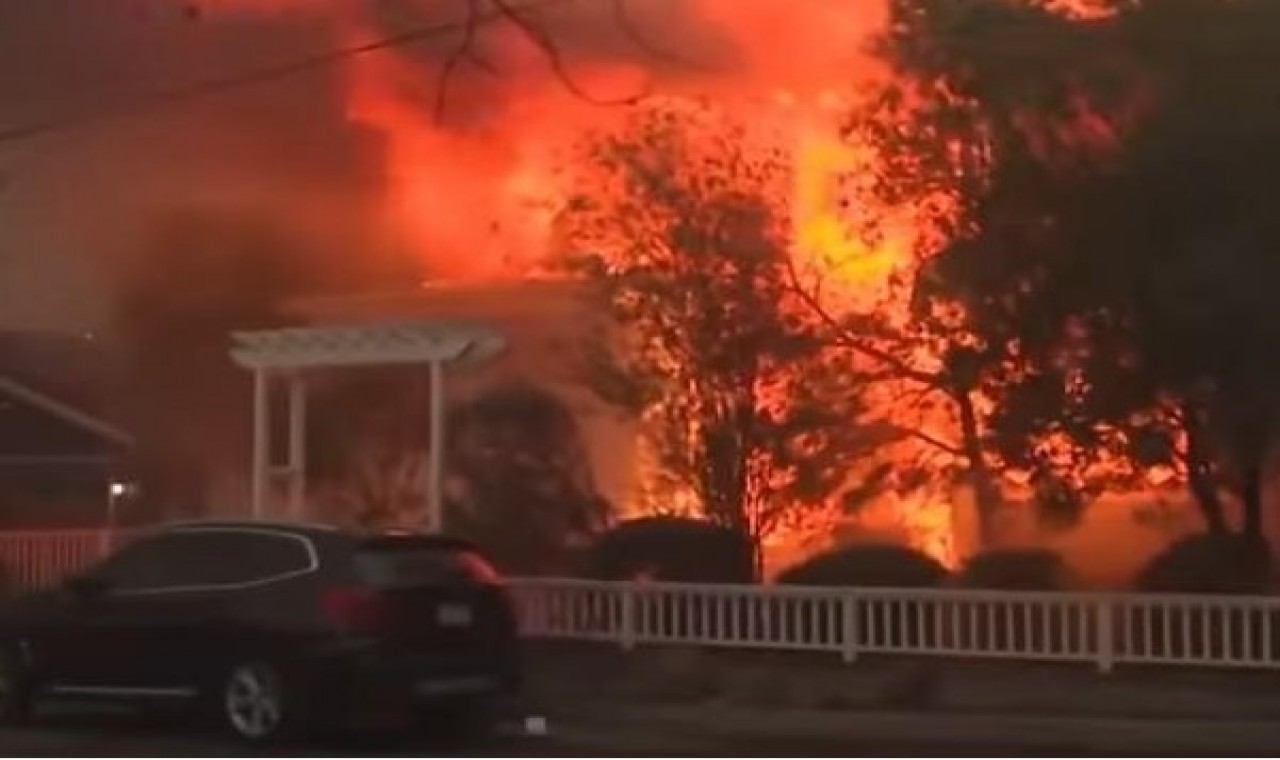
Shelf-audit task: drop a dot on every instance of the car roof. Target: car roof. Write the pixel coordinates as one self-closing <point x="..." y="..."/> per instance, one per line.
<point x="372" y="538"/>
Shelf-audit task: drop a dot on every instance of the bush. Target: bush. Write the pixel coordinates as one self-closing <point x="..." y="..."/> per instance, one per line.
<point x="868" y="565"/>
<point x="1016" y="570"/>
<point x="875" y="565"/>
<point x="671" y="549"/>
<point x="1201" y="564"/>
<point x="1017" y="627"/>
<point x="1207" y="563"/>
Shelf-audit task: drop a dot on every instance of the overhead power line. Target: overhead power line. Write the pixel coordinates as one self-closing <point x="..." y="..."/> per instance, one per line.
<point x="204" y="88"/>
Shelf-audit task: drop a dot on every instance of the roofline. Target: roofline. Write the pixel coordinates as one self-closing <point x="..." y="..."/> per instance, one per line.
<point x="65" y="412"/>
<point x="366" y="344"/>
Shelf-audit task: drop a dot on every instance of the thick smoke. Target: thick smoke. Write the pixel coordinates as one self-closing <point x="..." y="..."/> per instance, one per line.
<point x="333" y="155"/>
<point x="79" y="205"/>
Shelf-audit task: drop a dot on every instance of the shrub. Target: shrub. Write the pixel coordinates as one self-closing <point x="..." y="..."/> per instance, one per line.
<point x="1201" y="564"/>
<point x="1016" y="570"/>
<point x="1207" y="563"/>
<point x="876" y="565"/>
<point x="868" y="565"/>
<point x="672" y="549"/>
<point x="1020" y="627"/>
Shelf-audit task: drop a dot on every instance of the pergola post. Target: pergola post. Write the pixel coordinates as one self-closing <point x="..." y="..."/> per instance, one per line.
<point x="261" y="463"/>
<point x="297" y="444"/>
<point x="435" y="450"/>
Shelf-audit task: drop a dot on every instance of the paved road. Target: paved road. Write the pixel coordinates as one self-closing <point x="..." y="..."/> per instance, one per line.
<point x="140" y="736"/>
<point x="125" y="735"/>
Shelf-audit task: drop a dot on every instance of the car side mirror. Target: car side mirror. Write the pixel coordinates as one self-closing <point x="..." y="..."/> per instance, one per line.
<point x="83" y="588"/>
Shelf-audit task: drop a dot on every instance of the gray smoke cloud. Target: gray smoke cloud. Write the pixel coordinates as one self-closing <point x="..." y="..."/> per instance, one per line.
<point x="76" y="205"/>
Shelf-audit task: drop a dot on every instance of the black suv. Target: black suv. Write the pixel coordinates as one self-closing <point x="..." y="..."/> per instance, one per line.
<point x="271" y="627"/>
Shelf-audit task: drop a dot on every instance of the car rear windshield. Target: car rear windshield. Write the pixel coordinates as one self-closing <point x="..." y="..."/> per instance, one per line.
<point x="421" y="563"/>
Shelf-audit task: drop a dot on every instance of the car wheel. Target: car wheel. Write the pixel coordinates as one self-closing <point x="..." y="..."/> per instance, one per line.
<point x="15" y="689"/>
<point x="255" y="702"/>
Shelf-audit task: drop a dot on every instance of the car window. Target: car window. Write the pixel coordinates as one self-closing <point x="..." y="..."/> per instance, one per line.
<point x="142" y="564"/>
<point x="270" y="555"/>
<point x="206" y="557"/>
<point x="405" y="564"/>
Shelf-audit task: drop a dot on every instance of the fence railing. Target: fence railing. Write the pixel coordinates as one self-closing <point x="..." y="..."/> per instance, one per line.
<point x="1102" y="629"/>
<point x="30" y="559"/>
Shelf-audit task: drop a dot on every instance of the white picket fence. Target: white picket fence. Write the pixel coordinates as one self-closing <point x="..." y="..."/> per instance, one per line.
<point x="1102" y="629"/>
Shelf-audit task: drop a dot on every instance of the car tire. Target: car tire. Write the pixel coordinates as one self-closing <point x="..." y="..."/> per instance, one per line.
<point x="15" y="688"/>
<point x="256" y="702"/>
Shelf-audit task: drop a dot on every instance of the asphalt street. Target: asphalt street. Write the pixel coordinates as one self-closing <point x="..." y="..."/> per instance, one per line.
<point x="134" y="735"/>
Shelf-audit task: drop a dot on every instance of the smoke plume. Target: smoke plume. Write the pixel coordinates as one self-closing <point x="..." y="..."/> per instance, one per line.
<point x="361" y="162"/>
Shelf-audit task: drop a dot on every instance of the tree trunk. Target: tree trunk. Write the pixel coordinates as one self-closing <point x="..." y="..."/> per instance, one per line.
<point x="1251" y="501"/>
<point x="1205" y="489"/>
<point x="757" y="556"/>
<point x="1252" y="441"/>
<point x="1200" y="474"/>
<point x="986" y="497"/>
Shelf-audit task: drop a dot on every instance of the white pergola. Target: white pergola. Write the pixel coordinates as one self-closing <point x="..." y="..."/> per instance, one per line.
<point x="291" y="352"/>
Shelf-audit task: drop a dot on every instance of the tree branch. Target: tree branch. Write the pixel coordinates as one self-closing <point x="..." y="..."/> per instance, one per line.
<point x="552" y="53"/>
<point x="464" y="51"/>
<point x="846" y="338"/>
<point x="949" y="448"/>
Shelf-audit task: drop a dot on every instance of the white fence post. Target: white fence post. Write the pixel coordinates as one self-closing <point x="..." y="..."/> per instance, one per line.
<point x="627" y="634"/>
<point x="1105" y="633"/>
<point x="849" y="626"/>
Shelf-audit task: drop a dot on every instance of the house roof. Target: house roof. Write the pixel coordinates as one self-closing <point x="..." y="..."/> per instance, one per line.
<point x="65" y="375"/>
<point x="366" y="344"/>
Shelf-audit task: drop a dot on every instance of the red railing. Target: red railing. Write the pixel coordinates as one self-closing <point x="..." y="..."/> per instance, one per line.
<point x="31" y="559"/>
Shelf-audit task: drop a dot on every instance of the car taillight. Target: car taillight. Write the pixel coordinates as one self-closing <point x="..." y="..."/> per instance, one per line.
<point x="357" y="610"/>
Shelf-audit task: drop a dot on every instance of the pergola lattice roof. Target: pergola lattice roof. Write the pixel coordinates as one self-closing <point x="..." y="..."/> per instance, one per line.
<point x="365" y="345"/>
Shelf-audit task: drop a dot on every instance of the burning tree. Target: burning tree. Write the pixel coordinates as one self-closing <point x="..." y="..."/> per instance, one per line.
<point x="940" y="374"/>
<point x="683" y="234"/>
<point x="1109" y="240"/>
<point x="938" y="138"/>
<point x="933" y="154"/>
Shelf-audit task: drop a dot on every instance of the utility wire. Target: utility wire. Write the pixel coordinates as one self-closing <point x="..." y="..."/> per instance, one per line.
<point x="155" y="100"/>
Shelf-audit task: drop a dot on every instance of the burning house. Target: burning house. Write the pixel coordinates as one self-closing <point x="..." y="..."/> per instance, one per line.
<point x="545" y="323"/>
<point x="457" y="153"/>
